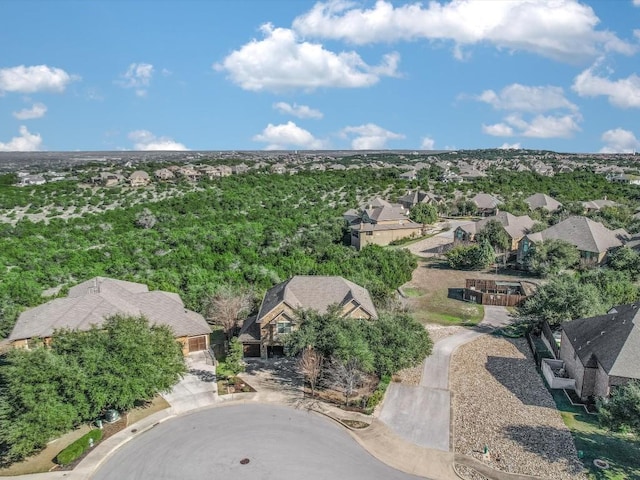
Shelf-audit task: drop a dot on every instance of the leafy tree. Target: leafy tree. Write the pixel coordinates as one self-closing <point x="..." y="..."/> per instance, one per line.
<point x="45" y="392"/>
<point x="234" y="360"/>
<point x="494" y="233"/>
<point x="622" y="410"/>
<point x="615" y="288"/>
<point x="550" y="257"/>
<point x="562" y="299"/>
<point x="625" y="259"/>
<point x="146" y="219"/>
<point x="424" y="213"/>
<point x="471" y="257"/>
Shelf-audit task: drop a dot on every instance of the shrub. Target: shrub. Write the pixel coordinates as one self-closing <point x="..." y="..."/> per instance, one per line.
<point x="77" y="448"/>
<point x="377" y="396"/>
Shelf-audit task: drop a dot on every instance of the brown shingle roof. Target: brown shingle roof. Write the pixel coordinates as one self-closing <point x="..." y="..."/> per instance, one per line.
<point x="317" y="293"/>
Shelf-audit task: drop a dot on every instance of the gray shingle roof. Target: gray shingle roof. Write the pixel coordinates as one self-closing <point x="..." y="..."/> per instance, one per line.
<point x="516" y="227"/>
<point x="585" y="234"/>
<point x="91" y="302"/>
<point x="540" y="200"/>
<point x="613" y="340"/>
<point x="486" y="201"/>
<point x="317" y="293"/>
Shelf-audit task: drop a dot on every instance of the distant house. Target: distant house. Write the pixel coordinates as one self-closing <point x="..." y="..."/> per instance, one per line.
<point x="450" y="177"/>
<point x="412" y="199"/>
<point x="217" y="172"/>
<point x="28" y="180"/>
<point x="592" y="239"/>
<point x="380" y="223"/>
<point x="278" y="168"/>
<point x="515" y="227"/>
<point x="164" y="174"/>
<point x="540" y="200"/>
<point x="263" y="335"/>
<point x="409" y="175"/>
<point x="139" y="178"/>
<point x="189" y="173"/>
<point x="486" y="204"/>
<point x="91" y="302"/>
<point x="602" y="352"/>
<point x="239" y="169"/>
<point x="624" y="178"/>
<point x="597" y="205"/>
<point x="108" y="179"/>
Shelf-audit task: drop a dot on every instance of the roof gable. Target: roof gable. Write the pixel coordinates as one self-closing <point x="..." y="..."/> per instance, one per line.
<point x="612" y="339"/>
<point x="585" y="234"/>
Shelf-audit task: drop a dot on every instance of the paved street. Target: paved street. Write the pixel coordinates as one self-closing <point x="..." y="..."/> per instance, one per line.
<point x="280" y="443"/>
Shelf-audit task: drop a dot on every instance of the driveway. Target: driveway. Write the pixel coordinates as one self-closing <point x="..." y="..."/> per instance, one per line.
<point x="198" y="388"/>
<point x="434" y="246"/>
<point x="277" y="442"/>
<point x="422" y="414"/>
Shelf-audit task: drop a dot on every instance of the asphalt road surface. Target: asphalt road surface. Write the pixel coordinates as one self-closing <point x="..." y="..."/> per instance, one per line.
<point x="278" y="442"/>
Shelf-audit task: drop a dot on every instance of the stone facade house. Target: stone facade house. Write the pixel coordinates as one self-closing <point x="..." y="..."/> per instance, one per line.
<point x="592" y="239"/>
<point x="263" y="335"/>
<point x="486" y="205"/>
<point x="602" y="352"/>
<point x="139" y="178"/>
<point x="380" y="223"/>
<point x="164" y="174"/>
<point x="91" y="302"/>
<point x="412" y="199"/>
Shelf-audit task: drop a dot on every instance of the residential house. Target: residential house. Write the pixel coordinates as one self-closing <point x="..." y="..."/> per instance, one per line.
<point x="91" y="302"/>
<point x="597" y="205"/>
<point x="279" y="168"/>
<point x="412" y="199"/>
<point x="409" y="175"/>
<point x="189" y="173"/>
<point x="540" y="200"/>
<point x="217" y="172"/>
<point x="592" y="239"/>
<point x="108" y="179"/>
<point x="28" y="180"/>
<point x="486" y="204"/>
<point x="515" y="227"/>
<point x="164" y="174"/>
<point x="263" y="335"/>
<point x="139" y="178"/>
<point x="450" y="177"/>
<point x="602" y="352"/>
<point x="239" y="169"/>
<point x="380" y="223"/>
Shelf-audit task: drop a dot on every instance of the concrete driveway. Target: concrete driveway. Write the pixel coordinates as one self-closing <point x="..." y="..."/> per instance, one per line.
<point x="198" y="388"/>
<point x="276" y="442"/>
<point x="433" y="246"/>
<point x="422" y="414"/>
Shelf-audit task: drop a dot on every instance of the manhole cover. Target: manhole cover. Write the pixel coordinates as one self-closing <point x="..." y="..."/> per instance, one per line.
<point x="244" y="461"/>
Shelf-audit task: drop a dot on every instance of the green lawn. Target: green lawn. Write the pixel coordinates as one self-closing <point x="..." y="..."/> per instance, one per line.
<point x="621" y="451"/>
<point x="436" y="307"/>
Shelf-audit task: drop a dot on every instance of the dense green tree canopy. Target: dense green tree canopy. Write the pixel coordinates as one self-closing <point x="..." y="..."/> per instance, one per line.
<point x="424" y="213"/>
<point x="44" y="392"/>
<point x="494" y="233"/>
<point x="471" y="257"/>
<point x="551" y="257"/>
<point x="622" y="410"/>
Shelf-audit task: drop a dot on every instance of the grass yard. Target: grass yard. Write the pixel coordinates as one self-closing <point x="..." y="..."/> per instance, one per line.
<point x="621" y="451"/>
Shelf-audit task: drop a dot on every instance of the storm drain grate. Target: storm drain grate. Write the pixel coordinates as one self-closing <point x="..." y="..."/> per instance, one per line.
<point x="244" y="461"/>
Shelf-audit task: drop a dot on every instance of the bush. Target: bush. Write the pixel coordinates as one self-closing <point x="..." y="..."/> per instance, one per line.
<point x="77" y="448"/>
<point x="377" y="396"/>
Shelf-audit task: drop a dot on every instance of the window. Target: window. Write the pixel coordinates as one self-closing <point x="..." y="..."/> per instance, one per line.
<point x="283" y="326"/>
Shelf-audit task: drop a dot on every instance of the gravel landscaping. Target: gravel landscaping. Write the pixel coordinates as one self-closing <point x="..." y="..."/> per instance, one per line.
<point x="500" y="400"/>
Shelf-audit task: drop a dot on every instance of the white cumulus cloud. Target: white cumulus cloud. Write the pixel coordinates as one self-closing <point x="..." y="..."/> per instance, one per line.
<point x="636" y="3"/>
<point x="38" y="78"/>
<point x="523" y="98"/>
<point x="138" y="76"/>
<point x="369" y="136"/>
<point x="286" y="135"/>
<point x="26" y="142"/>
<point x="619" y="140"/>
<point x="36" y="111"/>
<point x="623" y="93"/>
<point x="300" y="111"/>
<point x="427" y="143"/>
<point x="510" y="146"/>
<point x="281" y="61"/>
<point x="540" y="126"/>
<point x="498" y="130"/>
<point x="565" y="30"/>
<point x="145" y="140"/>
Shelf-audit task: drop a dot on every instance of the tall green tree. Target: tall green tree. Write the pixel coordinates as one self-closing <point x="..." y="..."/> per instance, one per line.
<point x="494" y="233"/>
<point x="550" y="257"/>
<point x="424" y="213"/>
<point x="622" y="410"/>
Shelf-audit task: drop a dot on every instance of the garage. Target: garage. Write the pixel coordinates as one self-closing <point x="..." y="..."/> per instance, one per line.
<point x="197" y="344"/>
<point x="251" y="349"/>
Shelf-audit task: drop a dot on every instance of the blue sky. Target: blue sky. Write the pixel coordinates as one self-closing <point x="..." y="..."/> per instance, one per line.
<point x="561" y="75"/>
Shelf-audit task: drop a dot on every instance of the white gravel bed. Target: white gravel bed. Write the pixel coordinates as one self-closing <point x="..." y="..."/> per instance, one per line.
<point x="469" y="473"/>
<point x="500" y="400"/>
<point x="438" y="332"/>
